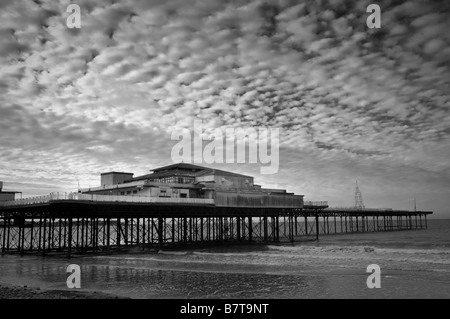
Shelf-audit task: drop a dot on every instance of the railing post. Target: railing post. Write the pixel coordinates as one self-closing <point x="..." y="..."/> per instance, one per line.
<point x="317" y="226"/>
<point x="69" y="240"/>
<point x="160" y="232"/>
<point x="4" y="234"/>
<point x="250" y="229"/>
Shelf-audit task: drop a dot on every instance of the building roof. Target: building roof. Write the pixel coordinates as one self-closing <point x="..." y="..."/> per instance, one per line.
<point x="174" y="172"/>
<point x="185" y="169"/>
<point x="212" y="171"/>
<point x="117" y="173"/>
<point x="185" y="166"/>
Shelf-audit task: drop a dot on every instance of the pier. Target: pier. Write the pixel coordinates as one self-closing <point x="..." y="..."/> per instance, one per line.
<point x="74" y="224"/>
<point x="177" y="206"/>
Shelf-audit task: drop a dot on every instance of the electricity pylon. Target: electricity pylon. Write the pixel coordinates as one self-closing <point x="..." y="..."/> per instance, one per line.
<point x="359" y="205"/>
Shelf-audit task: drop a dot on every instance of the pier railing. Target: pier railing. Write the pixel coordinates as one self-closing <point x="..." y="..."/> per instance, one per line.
<point x="28" y="201"/>
<point x="103" y="198"/>
<point x="138" y="199"/>
<point x="354" y="209"/>
<point x="315" y="203"/>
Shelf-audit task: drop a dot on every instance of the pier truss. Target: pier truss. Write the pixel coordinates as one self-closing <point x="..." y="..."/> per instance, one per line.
<point x="78" y="227"/>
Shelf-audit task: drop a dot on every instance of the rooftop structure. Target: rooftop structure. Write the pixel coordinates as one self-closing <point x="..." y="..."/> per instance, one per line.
<point x="197" y="182"/>
<point x="7" y="196"/>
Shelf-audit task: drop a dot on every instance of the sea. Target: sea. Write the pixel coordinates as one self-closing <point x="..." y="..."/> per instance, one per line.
<point x="412" y="263"/>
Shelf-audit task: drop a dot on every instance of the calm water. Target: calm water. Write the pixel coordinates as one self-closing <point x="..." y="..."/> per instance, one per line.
<point x="414" y="264"/>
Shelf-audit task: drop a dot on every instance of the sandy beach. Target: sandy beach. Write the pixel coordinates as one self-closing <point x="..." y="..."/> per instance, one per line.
<point x="414" y="264"/>
<point x="24" y="292"/>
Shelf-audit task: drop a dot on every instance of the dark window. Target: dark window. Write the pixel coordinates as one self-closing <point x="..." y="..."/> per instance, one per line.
<point x="163" y="193"/>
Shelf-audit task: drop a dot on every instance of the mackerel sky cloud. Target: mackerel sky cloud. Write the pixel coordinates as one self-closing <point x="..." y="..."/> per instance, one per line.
<point x="350" y="102"/>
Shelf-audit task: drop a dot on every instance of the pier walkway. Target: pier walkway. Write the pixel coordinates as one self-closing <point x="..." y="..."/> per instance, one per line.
<point x="77" y="223"/>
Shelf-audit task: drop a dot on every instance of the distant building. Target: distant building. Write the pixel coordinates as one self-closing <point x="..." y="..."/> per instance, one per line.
<point x="193" y="181"/>
<point x="4" y="196"/>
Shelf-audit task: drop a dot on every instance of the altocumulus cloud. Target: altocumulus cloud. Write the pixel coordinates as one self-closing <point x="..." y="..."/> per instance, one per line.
<point x="350" y="102"/>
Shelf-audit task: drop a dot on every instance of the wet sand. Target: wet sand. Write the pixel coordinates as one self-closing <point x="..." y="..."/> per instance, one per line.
<point x="24" y="292"/>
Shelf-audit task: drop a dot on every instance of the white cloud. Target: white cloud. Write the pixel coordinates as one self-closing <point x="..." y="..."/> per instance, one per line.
<point x="349" y="101"/>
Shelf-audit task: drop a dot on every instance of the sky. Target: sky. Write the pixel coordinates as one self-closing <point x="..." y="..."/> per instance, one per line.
<point x="351" y="103"/>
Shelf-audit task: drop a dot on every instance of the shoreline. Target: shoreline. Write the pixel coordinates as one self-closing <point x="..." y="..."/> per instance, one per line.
<point x="8" y="291"/>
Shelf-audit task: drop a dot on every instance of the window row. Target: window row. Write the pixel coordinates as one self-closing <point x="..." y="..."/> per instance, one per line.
<point x="174" y="179"/>
<point x="128" y="192"/>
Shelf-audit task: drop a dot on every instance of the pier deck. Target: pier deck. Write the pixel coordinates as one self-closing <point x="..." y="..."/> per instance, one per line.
<point x="80" y="224"/>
